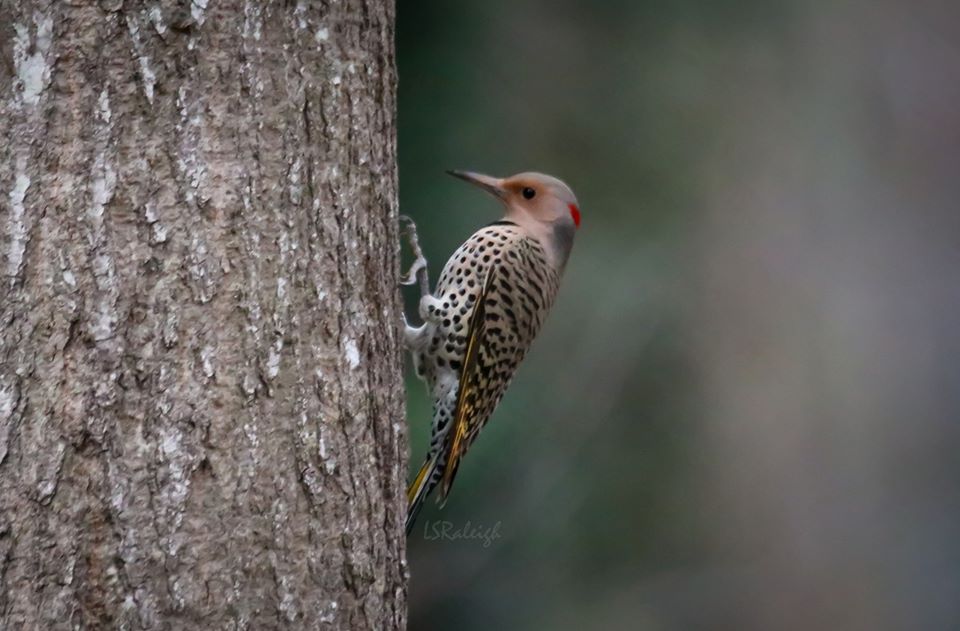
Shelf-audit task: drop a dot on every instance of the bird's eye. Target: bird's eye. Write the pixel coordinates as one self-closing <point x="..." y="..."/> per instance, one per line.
<point x="528" y="193"/>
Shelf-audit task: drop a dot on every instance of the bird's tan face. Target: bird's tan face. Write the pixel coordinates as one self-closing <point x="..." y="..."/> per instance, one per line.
<point x="535" y="195"/>
<point x="543" y="205"/>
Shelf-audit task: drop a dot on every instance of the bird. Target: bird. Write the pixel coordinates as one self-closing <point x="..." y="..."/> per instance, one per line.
<point x="489" y="304"/>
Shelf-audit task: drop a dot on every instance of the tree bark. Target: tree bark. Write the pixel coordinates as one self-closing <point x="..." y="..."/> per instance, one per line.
<point x="200" y="391"/>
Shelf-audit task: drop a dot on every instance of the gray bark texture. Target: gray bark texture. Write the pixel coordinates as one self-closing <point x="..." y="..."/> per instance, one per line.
<point x="201" y="404"/>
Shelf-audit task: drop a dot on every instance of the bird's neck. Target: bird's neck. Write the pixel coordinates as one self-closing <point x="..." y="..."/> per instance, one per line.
<point x="552" y="237"/>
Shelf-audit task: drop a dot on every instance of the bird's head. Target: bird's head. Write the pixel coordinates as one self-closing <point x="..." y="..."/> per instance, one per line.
<point x="541" y="204"/>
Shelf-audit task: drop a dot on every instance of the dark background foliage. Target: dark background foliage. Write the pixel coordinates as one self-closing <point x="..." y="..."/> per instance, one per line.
<point x="743" y="411"/>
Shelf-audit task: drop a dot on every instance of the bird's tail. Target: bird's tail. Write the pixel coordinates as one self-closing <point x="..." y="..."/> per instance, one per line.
<point x="419" y="490"/>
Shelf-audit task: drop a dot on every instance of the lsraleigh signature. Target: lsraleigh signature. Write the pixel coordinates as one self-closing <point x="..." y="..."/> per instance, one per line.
<point x="468" y="531"/>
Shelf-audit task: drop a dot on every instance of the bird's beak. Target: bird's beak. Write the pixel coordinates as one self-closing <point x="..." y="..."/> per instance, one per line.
<point x="490" y="184"/>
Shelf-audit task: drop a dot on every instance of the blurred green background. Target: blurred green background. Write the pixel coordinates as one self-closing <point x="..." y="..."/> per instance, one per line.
<point x="743" y="410"/>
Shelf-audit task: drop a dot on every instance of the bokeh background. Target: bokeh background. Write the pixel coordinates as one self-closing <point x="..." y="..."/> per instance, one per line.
<point x="744" y="410"/>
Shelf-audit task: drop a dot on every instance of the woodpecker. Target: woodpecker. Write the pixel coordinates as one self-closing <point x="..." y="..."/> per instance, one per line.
<point x="490" y="302"/>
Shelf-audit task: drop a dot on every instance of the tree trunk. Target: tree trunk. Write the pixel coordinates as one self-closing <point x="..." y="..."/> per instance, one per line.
<point x="200" y="394"/>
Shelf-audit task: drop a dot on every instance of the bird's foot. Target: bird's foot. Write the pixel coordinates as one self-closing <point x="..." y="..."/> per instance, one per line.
<point x="418" y="269"/>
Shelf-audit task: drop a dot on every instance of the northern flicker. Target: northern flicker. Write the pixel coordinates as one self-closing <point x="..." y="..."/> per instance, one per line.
<point x="489" y="304"/>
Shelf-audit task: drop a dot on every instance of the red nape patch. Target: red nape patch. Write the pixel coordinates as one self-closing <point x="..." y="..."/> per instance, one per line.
<point x="575" y="213"/>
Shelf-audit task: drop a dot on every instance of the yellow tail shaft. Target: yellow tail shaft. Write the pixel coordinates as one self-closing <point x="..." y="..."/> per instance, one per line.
<point x="418" y="491"/>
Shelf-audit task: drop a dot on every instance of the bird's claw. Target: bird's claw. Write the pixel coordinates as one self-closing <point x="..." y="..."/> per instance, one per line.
<point x="418" y="269"/>
<point x="410" y="278"/>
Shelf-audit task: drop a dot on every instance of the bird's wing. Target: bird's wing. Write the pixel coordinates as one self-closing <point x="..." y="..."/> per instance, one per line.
<point x="465" y="420"/>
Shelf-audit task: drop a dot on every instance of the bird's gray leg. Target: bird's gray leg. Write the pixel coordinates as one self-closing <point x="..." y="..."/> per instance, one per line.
<point x="418" y="269"/>
<point x="413" y="337"/>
